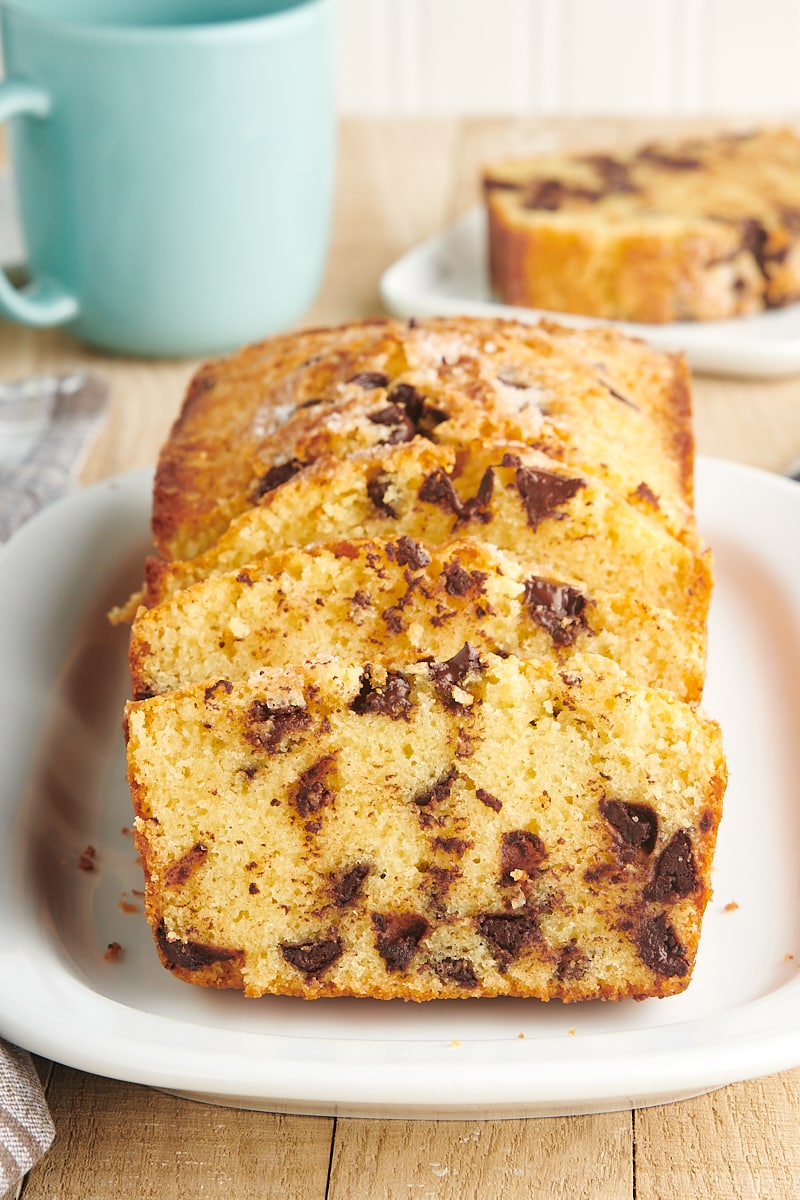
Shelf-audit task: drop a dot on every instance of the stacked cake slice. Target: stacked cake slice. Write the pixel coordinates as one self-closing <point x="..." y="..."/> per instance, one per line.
<point x="417" y="670"/>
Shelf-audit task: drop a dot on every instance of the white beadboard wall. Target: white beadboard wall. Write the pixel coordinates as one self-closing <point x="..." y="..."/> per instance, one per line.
<point x="562" y="57"/>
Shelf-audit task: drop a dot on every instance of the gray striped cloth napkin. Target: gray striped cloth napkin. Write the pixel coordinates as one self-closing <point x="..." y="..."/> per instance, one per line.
<point x="46" y="426"/>
<point x="26" y="1127"/>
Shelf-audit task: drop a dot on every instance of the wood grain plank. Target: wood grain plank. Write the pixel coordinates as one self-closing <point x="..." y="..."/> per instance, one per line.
<point x="549" y="1158"/>
<point x="118" y="1140"/>
<point x="739" y="1143"/>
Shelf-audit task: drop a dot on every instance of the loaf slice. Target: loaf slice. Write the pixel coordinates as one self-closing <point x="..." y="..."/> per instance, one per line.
<point x="481" y="826"/>
<point x="501" y="492"/>
<point x="400" y="599"/>
<point x="692" y="229"/>
<point x="255" y="418"/>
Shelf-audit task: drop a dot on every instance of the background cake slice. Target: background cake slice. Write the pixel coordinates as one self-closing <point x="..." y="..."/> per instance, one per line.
<point x="704" y="228"/>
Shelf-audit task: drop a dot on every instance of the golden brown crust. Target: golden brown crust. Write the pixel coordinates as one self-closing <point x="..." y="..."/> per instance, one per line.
<point x="700" y="229"/>
<point x="328" y="392"/>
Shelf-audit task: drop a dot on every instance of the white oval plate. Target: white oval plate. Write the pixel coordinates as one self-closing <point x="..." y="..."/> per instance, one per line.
<point x="63" y="789"/>
<point x="446" y="275"/>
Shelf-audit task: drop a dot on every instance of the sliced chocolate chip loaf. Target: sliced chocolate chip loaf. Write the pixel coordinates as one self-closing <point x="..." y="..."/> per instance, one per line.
<point x="252" y="420"/>
<point x="697" y="229"/>
<point x="416" y="670"/>
<point x="401" y="599"/>
<point x="480" y="826"/>
<point x="505" y="493"/>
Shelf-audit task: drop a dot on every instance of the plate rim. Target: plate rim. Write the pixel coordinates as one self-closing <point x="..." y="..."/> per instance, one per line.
<point x="757" y="1038"/>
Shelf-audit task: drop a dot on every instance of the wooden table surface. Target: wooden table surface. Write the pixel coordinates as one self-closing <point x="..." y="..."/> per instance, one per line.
<point x="399" y="182"/>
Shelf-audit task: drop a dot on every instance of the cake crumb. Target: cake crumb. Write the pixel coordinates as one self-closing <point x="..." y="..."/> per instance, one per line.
<point x="731" y="907"/>
<point x="570" y="1033"/>
<point x="87" y="862"/>
<point x="455" y="1044"/>
<point x="113" y="952"/>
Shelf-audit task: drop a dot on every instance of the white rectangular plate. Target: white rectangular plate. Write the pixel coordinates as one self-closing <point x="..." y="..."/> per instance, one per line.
<point x="447" y="275"/>
<point x="63" y="789"/>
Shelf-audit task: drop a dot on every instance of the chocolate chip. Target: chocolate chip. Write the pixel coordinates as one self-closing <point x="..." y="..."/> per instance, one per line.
<point x="457" y="580"/>
<point x="222" y="685"/>
<point x="671" y="162"/>
<point x="674" y="875"/>
<point x="707" y="821"/>
<point x="543" y="493"/>
<point x="376" y="490"/>
<point x="644" y="492"/>
<point x="636" y="825"/>
<point x="508" y="933"/>
<point x="449" y="674"/>
<point x="181" y="871"/>
<point x="439" y="791"/>
<point x="345" y="885"/>
<point x="572" y="963"/>
<point x="395" y="417"/>
<point x="393" y="617"/>
<point x="488" y="799"/>
<point x="412" y="400"/>
<point x="276" y="476"/>
<point x="520" y="850"/>
<point x="269" y="726"/>
<point x="478" y="505"/>
<point x="314" y="402"/>
<point x="614" y="174"/>
<point x="558" y="608"/>
<point x="437" y="488"/>
<point x="370" y="380"/>
<point x="397" y="937"/>
<point x="550" y="194"/>
<point x="456" y="970"/>
<point x="408" y="553"/>
<point x="452" y="845"/>
<point x="192" y="956"/>
<point x="311" y="793"/>
<point x="312" y="958"/>
<point x="659" y="947"/>
<point x="392" y="699"/>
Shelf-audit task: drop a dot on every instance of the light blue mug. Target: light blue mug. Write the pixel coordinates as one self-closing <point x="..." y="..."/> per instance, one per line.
<point x="173" y="161"/>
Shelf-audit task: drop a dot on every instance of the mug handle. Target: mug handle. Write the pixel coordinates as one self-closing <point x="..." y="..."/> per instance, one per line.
<point x="42" y="302"/>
